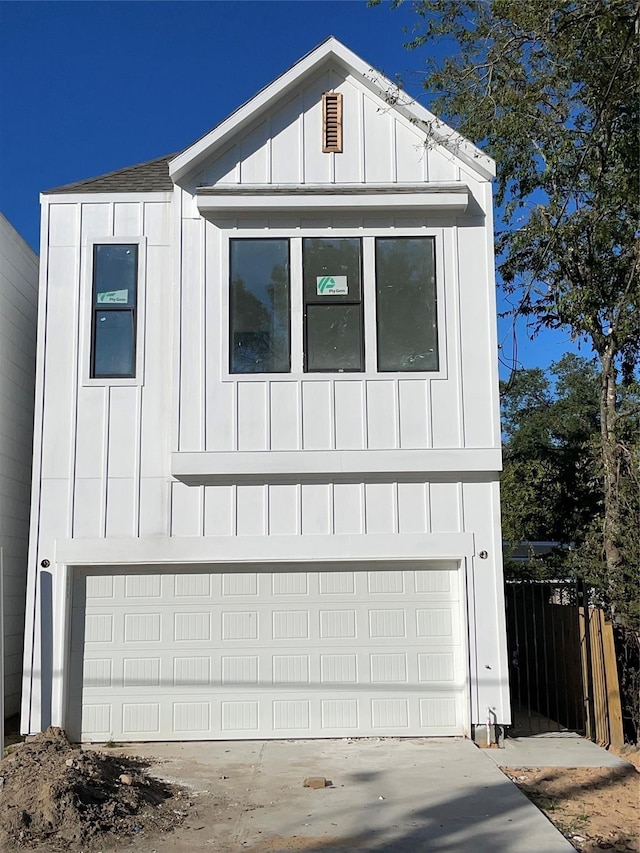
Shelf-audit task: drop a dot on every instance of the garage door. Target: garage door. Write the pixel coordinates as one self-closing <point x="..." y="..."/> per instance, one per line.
<point x="260" y="654"/>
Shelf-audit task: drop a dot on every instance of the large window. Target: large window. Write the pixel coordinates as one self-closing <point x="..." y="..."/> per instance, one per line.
<point x="406" y="304"/>
<point x="113" y="337"/>
<point x="259" y="307"/>
<point x="333" y="305"/>
<point x="359" y="303"/>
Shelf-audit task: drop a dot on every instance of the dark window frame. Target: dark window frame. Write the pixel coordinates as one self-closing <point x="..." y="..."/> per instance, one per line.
<point x="433" y="240"/>
<point x="233" y="240"/>
<point x="97" y="307"/>
<point x="339" y="299"/>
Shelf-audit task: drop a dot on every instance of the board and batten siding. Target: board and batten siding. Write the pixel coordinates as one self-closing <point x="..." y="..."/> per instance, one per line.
<point x="380" y="145"/>
<point x="104" y="453"/>
<point x="374" y="412"/>
<point x="106" y="446"/>
<point x="367" y="411"/>
<point x="18" y="314"/>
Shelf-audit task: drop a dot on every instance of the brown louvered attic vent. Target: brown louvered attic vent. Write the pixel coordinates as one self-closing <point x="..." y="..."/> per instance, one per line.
<point x="332" y="122"/>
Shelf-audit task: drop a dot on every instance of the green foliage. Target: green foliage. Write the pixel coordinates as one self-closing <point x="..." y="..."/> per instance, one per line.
<point x="550" y="427"/>
<point x="552" y="485"/>
<point x="551" y="90"/>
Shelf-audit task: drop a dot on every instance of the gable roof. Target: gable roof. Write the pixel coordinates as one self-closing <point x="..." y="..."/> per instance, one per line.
<point x="332" y="50"/>
<point x="150" y="176"/>
<point x="159" y="175"/>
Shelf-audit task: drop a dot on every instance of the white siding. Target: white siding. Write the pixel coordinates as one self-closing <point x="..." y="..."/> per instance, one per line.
<point x="446" y="409"/>
<point x="109" y="442"/>
<point x="320" y="508"/>
<point x="18" y="312"/>
<point x="285" y="147"/>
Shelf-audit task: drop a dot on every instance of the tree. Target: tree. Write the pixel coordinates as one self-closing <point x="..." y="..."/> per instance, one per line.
<point x="550" y="490"/>
<point x="551" y="90"/>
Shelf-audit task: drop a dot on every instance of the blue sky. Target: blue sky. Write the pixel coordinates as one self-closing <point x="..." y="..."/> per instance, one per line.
<point x="88" y="87"/>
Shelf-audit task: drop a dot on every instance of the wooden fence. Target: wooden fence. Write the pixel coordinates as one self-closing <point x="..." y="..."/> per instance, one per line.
<point x="600" y="677"/>
<point x="563" y="673"/>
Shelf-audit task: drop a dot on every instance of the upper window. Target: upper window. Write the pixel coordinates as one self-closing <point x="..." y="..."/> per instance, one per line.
<point x="113" y="330"/>
<point x="406" y="304"/>
<point x="338" y="274"/>
<point x="259" y="307"/>
<point x="332" y="305"/>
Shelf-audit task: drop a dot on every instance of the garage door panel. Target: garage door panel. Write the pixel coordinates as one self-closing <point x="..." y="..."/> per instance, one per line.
<point x="273" y="654"/>
<point x="234" y="715"/>
<point x="441" y="666"/>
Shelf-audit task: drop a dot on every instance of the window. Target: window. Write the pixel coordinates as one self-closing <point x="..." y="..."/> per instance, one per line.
<point x="333" y="305"/>
<point x="260" y="339"/>
<point x="406" y="304"/>
<point x="113" y="330"/>
<point x="359" y="303"/>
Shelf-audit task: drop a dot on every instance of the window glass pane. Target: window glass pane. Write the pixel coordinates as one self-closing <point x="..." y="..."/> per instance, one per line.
<point x="115" y="269"/>
<point x="331" y="270"/>
<point x="334" y="337"/>
<point x="406" y="304"/>
<point x="259" y="333"/>
<point x="113" y="343"/>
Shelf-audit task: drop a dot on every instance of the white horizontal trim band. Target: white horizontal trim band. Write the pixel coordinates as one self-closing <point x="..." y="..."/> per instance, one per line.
<point x="211" y="467"/>
<point x="92" y="197"/>
<point x="264" y="549"/>
<point x="334" y="189"/>
<point x="449" y="200"/>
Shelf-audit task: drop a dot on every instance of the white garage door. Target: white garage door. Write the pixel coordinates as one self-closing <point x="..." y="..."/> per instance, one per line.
<point x="257" y="654"/>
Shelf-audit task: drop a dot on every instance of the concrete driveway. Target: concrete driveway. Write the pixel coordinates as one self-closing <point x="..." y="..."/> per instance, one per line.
<point x="387" y="796"/>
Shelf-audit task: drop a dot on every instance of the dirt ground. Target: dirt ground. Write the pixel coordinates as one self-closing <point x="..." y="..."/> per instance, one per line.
<point x="596" y="808"/>
<point x="55" y="796"/>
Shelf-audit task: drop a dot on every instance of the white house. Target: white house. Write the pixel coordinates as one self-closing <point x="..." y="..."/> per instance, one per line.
<point x="18" y="308"/>
<point x="266" y="496"/>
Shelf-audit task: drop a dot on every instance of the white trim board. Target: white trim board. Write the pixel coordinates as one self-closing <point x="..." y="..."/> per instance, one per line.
<point x="216" y="550"/>
<point x="89" y="197"/>
<point x="337" y="198"/>
<point x="265" y="465"/>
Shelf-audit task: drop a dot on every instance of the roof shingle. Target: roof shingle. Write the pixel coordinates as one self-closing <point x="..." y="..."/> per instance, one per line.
<point x="151" y="176"/>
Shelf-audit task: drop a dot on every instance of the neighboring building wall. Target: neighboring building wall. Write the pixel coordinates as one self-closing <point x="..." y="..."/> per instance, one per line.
<point x="18" y="313"/>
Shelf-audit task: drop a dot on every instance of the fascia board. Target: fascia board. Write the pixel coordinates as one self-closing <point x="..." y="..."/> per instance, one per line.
<point x="87" y="198"/>
<point x="187" y="160"/>
<point x="417" y="115"/>
<point x="443" y="135"/>
<point x="378" y="84"/>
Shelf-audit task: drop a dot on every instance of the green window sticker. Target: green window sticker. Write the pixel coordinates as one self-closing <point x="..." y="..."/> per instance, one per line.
<point x="117" y="297"/>
<point x="330" y="285"/>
